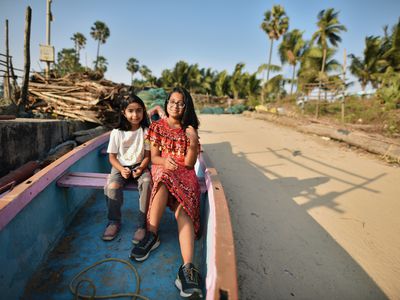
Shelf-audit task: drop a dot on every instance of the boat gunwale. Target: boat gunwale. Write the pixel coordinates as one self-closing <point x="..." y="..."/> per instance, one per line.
<point x="15" y="200"/>
<point x="221" y="283"/>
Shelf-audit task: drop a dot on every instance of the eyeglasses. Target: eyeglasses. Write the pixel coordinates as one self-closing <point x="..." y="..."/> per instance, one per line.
<point x="176" y="104"/>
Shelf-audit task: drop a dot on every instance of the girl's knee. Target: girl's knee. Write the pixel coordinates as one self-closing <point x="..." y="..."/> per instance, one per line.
<point x="180" y="211"/>
<point x="113" y="185"/>
<point x="113" y="191"/>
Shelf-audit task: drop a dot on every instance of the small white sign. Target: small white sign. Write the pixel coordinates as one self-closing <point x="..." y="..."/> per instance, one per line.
<point x="46" y="53"/>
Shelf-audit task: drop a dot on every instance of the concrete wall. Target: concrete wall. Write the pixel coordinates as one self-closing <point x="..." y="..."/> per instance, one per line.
<point x="22" y="140"/>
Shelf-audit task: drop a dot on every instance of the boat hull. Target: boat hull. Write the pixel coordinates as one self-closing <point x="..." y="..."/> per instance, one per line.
<point x="48" y="234"/>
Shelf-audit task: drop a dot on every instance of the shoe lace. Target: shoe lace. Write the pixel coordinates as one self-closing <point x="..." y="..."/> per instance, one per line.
<point x="145" y="242"/>
<point x="191" y="274"/>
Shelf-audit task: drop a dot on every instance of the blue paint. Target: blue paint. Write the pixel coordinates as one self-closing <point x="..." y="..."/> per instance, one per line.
<point x="58" y="234"/>
<point x="82" y="246"/>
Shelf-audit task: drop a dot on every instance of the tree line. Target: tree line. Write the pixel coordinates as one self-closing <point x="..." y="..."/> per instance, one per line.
<point x="312" y="62"/>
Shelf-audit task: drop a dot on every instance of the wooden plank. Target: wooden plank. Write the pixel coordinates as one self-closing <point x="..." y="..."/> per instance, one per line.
<point x="88" y="180"/>
<point x="98" y="180"/>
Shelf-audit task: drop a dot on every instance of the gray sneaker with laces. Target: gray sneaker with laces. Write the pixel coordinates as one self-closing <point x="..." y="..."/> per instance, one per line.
<point x="188" y="281"/>
<point x="142" y="250"/>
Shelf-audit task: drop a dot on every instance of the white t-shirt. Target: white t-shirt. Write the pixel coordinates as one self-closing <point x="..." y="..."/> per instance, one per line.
<point x="128" y="145"/>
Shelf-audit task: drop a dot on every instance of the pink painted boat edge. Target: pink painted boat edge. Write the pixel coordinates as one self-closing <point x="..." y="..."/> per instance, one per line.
<point x="14" y="201"/>
<point x="223" y="275"/>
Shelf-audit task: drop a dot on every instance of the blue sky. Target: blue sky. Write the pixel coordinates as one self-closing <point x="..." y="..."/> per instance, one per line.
<point x="215" y="34"/>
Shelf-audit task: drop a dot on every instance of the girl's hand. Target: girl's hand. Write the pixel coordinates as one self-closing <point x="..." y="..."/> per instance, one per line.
<point x="191" y="133"/>
<point x="126" y="173"/>
<point x="170" y="164"/>
<point x="137" y="172"/>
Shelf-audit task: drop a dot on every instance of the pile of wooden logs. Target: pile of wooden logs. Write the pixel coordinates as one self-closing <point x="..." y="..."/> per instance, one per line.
<point x="76" y="96"/>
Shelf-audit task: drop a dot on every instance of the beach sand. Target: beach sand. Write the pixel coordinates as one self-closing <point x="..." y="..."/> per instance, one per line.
<point x="312" y="219"/>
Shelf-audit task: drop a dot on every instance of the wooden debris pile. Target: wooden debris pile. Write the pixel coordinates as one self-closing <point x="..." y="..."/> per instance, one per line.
<point x="223" y="101"/>
<point x="76" y="96"/>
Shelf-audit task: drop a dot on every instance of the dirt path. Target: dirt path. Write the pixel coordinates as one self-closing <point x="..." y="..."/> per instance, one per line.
<point x="311" y="219"/>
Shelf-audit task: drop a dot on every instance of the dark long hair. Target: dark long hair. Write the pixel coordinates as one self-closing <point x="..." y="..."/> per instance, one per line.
<point x="189" y="117"/>
<point x="123" y="122"/>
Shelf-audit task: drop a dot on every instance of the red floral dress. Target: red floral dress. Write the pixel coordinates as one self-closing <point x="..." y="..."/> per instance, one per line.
<point x="182" y="183"/>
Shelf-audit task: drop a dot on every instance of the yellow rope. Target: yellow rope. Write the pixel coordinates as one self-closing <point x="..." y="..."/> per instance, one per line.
<point x="75" y="291"/>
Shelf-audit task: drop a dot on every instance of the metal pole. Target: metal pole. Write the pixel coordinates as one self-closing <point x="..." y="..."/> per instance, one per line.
<point x="344" y="83"/>
<point x="48" y="32"/>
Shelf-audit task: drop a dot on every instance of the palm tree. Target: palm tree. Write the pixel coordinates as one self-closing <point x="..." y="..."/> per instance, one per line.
<point x="194" y="78"/>
<point x="329" y="29"/>
<point x="101" y="64"/>
<point x="80" y="42"/>
<point x="275" y="86"/>
<point x="252" y="86"/>
<point x="291" y="50"/>
<point x="261" y="70"/>
<point x="132" y="66"/>
<point x="66" y="61"/>
<point x="366" y="67"/>
<point x="221" y="84"/>
<point x="207" y="81"/>
<point x="147" y="75"/>
<point x="311" y="63"/>
<point x="275" y="24"/>
<point x="236" y="80"/>
<point x="390" y="49"/>
<point x="100" y="32"/>
<point x="145" y="72"/>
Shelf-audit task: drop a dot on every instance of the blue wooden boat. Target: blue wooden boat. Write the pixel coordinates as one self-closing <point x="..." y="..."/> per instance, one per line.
<point x="51" y="224"/>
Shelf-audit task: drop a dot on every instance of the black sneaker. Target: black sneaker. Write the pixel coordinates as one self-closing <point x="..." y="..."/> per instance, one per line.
<point x="188" y="281"/>
<point x="141" y="251"/>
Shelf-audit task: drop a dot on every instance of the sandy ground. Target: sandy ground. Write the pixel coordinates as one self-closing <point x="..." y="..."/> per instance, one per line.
<point x="311" y="218"/>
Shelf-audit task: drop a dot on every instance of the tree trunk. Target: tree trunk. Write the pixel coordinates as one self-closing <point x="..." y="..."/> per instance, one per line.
<point x="27" y="55"/>
<point x="97" y="56"/>
<point x="262" y="88"/>
<point x="319" y="86"/>
<point x="6" y="82"/>
<point x="269" y="60"/>
<point x="15" y="89"/>
<point x="294" y="73"/>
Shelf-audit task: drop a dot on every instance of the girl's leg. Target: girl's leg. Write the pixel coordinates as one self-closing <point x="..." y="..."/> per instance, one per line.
<point x="186" y="234"/>
<point x="114" y="195"/>
<point x="158" y="207"/>
<point x="144" y="187"/>
<point x="114" y="198"/>
<point x="151" y="241"/>
<point x="188" y="280"/>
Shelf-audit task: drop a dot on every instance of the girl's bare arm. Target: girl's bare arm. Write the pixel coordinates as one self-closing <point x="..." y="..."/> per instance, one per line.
<point x="193" y="149"/>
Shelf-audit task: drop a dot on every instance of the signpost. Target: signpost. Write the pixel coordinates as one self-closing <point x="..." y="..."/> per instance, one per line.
<point x="47" y="53"/>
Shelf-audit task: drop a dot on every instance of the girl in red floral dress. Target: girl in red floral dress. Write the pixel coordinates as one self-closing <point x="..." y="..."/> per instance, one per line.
<point x="174" y="150"/>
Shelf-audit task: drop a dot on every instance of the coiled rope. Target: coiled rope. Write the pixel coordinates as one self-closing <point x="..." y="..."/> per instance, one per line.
<point x="77" y="295"/>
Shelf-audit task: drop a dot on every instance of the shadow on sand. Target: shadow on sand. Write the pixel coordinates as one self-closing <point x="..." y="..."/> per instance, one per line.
<point x="282" y="252"/>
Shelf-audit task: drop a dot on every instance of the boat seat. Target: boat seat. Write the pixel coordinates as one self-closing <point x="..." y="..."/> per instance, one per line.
<point x="88" y="180"/>
<point x="98" y="180"/>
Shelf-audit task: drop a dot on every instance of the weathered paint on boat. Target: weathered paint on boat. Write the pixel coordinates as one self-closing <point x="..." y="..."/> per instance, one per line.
<point x="40" y="241"/>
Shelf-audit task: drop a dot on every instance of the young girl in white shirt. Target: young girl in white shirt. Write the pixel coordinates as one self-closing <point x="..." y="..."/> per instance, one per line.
<point x="129" y="156"/>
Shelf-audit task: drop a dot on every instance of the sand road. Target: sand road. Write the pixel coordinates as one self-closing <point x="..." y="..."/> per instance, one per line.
<point x="311" y="219"/>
